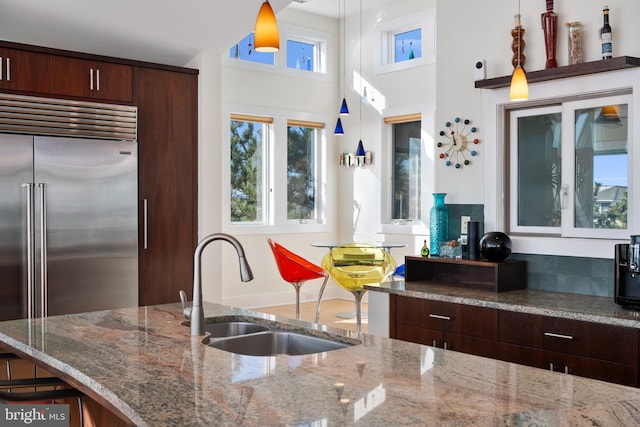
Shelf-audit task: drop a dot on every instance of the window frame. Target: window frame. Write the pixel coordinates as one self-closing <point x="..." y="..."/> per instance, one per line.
<point x="388" y="29"/>
<point x="566" y="108"/>
<point x="496" y="106"/>
<point x="275" y="188"/>
<point x="323" y="40"/>
<point x="419" y="225"/>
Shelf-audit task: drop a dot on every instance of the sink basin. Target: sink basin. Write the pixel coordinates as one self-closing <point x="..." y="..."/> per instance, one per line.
<point x="273" y="342"/>
<point x="230" y="329"/>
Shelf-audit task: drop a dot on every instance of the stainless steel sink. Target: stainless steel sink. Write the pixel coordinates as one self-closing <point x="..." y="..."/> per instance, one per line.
<point x="273" y="342"/>
<point x="230" y="329"/>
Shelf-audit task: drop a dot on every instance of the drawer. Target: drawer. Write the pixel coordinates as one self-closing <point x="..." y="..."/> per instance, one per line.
<point x="449" y="317"/>
<point x="594" y="340"/>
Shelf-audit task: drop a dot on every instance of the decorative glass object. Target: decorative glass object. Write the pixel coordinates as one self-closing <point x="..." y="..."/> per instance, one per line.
<point x="438" y="223"/>
<point x="425" y="249"/>
<point x="574" y="42"/>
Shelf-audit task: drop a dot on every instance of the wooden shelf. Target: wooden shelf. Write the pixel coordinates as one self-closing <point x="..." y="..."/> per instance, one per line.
<point x="480" y="274"/>
<point x="585" y="68"/>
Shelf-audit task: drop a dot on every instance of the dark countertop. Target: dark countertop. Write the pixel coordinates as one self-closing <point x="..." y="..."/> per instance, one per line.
<point x="565" y="305"/>
<point x="142" y="363"/>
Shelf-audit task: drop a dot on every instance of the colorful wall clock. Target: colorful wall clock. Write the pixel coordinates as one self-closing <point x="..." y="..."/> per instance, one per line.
<point x="458" y="143"/>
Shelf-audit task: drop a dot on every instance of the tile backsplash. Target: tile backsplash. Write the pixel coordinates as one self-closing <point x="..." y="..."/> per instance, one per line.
<point x="578" y="275"/>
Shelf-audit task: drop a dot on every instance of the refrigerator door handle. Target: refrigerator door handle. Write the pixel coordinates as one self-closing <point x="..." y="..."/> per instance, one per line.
<point x="28" y="186"/>
<point x="43" y="250"/>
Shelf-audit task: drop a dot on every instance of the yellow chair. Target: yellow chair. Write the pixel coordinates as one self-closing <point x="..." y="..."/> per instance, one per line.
<point x="354" y="265"/>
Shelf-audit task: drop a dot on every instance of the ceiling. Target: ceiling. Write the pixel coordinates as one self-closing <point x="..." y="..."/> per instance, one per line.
<point x="167" y="32"/>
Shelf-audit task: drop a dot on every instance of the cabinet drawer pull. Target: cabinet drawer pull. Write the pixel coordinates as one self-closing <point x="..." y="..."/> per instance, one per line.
<point x="90" y="78"/>
<point x="0" y="68"/>
<point x="97" y="79"/>
<point x="8" y="74"/>
<point x="551" y="334"/>
<point x="438" y="316"/>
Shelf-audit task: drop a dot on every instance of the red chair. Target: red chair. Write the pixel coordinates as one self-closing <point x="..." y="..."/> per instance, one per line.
<point x="295" y="270"/>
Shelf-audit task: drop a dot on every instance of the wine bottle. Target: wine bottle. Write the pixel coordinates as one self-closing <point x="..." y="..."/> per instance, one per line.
<point x="606" y="35"/>
<point x="425" y="249"/>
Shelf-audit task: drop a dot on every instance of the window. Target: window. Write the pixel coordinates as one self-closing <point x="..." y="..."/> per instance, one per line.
<point x="407" y="42"/>
<point x="271" y="189"/>
<point x="305" y="51"/>
<point x="244" y="50"/>
<point x="570" y="169"/>
<point x="408" y="45"/>
<point x="301" y="170"/>
<point x="303" y="54"/>
<point x="406" y="153"/>
<point x="248" y="168"/>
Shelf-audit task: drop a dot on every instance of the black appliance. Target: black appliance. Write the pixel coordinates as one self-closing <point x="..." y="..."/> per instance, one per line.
<point x="627" y="273"/>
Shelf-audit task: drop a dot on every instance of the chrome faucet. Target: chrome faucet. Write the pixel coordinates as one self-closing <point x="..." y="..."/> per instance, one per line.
<point x="197" y="313"/>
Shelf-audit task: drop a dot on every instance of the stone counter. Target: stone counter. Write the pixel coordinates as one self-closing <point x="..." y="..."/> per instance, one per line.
<point x="565" y="305"/>
<point x="142" y="363"/>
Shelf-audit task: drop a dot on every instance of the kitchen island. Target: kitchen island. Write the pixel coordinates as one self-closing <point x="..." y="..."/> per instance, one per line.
<point x="142" y="364"/>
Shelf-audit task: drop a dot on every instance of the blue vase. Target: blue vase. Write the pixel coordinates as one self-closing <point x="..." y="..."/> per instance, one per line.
<point x="438" y="223"/>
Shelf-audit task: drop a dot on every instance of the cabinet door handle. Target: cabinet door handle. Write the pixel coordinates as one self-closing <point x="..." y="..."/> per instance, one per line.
<point x="0" y="68"/>
<point x="90" y="78"/>
<point x="8" y="69"/>
<point x="564" y="337"/>
<point x="438" y="316"/>
<point x="145" y="223"/>
<point x="444" y="345"/>
<point x="434" y="343"/>
<point x="97" y="79"/>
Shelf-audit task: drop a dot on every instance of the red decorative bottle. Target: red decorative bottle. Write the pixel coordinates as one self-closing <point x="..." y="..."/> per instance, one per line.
<point x="550" y="28"/>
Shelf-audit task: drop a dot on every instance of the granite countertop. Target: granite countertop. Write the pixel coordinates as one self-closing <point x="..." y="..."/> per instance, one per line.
<point x="557" y="304"/>
<point x="142" y="363"/>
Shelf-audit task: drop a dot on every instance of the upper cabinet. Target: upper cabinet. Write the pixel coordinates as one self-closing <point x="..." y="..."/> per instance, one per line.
<point x="23" y="70"/>
<point x="91" y="79"/>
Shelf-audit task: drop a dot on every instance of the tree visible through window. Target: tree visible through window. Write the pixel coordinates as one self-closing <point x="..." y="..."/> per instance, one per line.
<point x="247" y="158"/>
<point x="301" y="173"/>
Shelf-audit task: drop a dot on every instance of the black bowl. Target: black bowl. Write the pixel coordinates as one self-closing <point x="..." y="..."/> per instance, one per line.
<point x="495" y="246"/>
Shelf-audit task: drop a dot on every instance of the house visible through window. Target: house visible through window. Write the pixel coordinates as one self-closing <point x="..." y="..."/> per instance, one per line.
<point x="406" y="168"/>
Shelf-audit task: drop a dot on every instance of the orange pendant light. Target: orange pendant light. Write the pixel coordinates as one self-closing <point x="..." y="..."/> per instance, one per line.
<point x="266" y="37"/>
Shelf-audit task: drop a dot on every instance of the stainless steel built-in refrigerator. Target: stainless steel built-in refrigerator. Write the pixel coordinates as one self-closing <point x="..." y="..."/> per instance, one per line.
<point x="68" y="224"/>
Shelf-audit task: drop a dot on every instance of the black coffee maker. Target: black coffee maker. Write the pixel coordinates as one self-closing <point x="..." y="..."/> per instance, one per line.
<point x="627" y="273"/>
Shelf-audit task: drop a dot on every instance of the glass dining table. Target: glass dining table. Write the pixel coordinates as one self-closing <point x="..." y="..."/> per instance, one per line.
<point x="387" y="246"/>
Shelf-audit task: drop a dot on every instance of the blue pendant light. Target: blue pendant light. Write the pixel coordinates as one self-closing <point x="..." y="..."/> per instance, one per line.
<point x="344" y="110"/>
<point x="339" y="130"/>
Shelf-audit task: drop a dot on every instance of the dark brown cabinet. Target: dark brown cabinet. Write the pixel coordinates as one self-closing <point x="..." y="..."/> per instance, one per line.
<point x="588" y="349"/>
<point x="24" y="71"/>
<point x="167" y="156"/>
<point x="464" y="328"/>
<point x="91" y="79"/>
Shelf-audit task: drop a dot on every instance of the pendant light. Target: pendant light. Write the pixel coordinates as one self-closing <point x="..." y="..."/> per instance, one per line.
<point x="519" y="90"/>
<point x="266" y="37"/>
<point x="344" y="110"/>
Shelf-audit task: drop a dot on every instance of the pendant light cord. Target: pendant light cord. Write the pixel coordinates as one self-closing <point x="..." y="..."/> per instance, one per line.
<point x="360" y="68"/>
